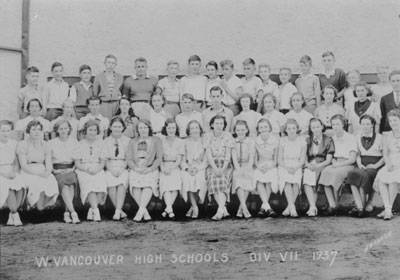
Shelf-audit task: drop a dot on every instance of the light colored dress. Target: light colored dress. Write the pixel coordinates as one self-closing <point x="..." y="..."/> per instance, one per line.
<point x="195" y="156"/>
<point x="115" y="153"/>
<point x="265" y="155"/>
<point x="171" y="151"/>
<point x="90" y="155"/>
<point x="36" y="184"/>
<point x="157" y="121"/>
<point x="8" y="152"/>
<point x="245" y="151"/>
<point x="291" y="157"/>
<point x="384" y="175"/>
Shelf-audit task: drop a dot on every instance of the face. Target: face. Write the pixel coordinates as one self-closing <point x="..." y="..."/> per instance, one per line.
<point x="383" y="74"/>
<point x="173" y="69"/>
<point x="291" y="129"/>
<point x="194" y="66"/>
<point x="227" y="71"/>
<point x="94" y="107"/>
<point x="110" y="64"/>
<point x="117" y="128"/>
<point x="171" y="129"/>
<point x="316" y="128"/>
<point x="5" y="131"/>
<point x="297" y="102"/>
<point x="241" y="131"/>
<point x="218" y="125"/>
<point x="68" y="109"/>
<point x="284" y="76"/>
<point x="63" y="130"/>
<point x="245" y="102"/>
<point x="395" y="82"/>
<point x="394" y="123"/>
<point x="216" y="97"/>
<point x="353" y="78"/>
<point x="140" y="68"/>
<point x="264" y="73"/>
<point x="124" y="105"/>
<point x="187" y="105"/>
<point x="34" y="107"/>
<point x="328" y="62"/>
<point x="143" y="129"/>
<point x="361" y="92"/>
<point x="36" y="132"/>
<point x="269" y="104"/>
<point x="337" y="126"/>
<point x="58" y="72"/>
<point x="194" y="129"/>
<point x="264" y="128"/>
<point x="249" y="70"/>
<point x="366" y="126"/>
<point x="305" y="67"/>
<point x="329" y="95"/>
<point x="86" y="75"/>
<point x="32" y="78"/>
<point x="211" y="72"/>
<point x="91" y="132"/>
<point x="157" y="101"/>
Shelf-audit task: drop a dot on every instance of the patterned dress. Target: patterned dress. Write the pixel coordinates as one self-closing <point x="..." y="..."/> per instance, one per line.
<point x="245" y="150"/>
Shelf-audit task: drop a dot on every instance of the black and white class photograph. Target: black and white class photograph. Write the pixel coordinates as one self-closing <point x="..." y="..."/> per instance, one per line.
<point x="200" y="139"/>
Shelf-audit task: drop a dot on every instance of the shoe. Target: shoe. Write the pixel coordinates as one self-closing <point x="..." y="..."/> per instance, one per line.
<point x="286" y="212"/>
<point x="189" y="213"/>
<point x="123" y="215"/>
<point x="330" y="211"/>
<point x="239" y="213"/>
<point x="271" y="213"/>
<point x="171" y="216"/>
<point x="218" y="216"/>
<point x="75" y="218"/>
<point x="10" y="221"/>
<point x="16" y="219"/>
<point x="381" y="215"/>
<point x="246" y="214"/>
<point x="388" y="215"/>
<point x="96" y="215"/>
<point x="146" y="216"/>
<point x="117" y="215"/>
<point x="195" y="213"/>
<point x="369" y="208"/>
<point x="67" y="218"/>
<point x="293" y="212"/>
<point x="90" y="214"/>
<point x="360" y="213"/>
<point x="262" y="213"/>
<point x="354" y="212"/>
<point x="312" y="212"/>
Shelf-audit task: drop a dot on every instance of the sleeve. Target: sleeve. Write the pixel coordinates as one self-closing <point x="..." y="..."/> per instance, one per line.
<point x="330" y="149"/>
<point x="129" y="152"/>
<point x="76" y="153"/>
<point x="181" y="147"/>
<point x="72" y="93"/>
<point x="96" y="86"/>
<point x="126" y="88"/>
<point x="353" y="144"/>
<point x="377" y="115"/>
<point x="22" y="148"/>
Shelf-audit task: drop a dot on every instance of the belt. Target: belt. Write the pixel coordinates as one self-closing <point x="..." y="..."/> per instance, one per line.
<point x="171" y="102"/>
<point x="143" y="101"/>
<point x="110" y="101"/>
<point x="199" y="101"/>
<point x="63" y="165"/>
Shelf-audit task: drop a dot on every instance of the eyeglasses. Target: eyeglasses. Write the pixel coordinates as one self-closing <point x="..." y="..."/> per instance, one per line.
<point x="116" y="148"/>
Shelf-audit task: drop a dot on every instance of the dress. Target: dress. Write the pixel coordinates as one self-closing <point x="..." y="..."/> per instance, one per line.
<point x="115" y="154"/>
<point x="35" y="157"/>
<point x="265" y="155"/>
<point x="61" y="157"/>
<point x="173" y="181"/>
<point x="317" y="150"/>
<point x="145" y="153"/>
<point x="157" y="121"/>
<point x="291" y="157"/>
<point x="219" y="147"/>
<point x="334" y="176"/>
<point x="384" y="175"/>
<point x="370" y="151"/>
<point x="8" y="154"/>
<point x="195" y="156"/>
<point x="90" y="155"/>
<point x="357" y="109"/>
<point x="244" y="178"/>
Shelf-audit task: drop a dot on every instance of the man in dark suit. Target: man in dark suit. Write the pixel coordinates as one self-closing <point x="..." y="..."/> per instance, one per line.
<point x="391" y="100"/>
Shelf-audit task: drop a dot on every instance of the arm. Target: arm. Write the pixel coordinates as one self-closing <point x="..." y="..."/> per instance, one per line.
<point x="211" y="159"/>
<point x="358" y="161"/>
<point x="302" y="158"/>
<point x="96" y="86"/>
<point x="73" y="94"/>
<point x="351" y="160"/>
<point x="235" y="159"/>
<point x="317" y="90"/>
<point x="20" y="106"/>
<point x="227" y="159"/>
<point x="159" y="154"/>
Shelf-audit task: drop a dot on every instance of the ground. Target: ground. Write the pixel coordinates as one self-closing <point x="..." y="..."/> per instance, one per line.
<point x="304" y="248"/>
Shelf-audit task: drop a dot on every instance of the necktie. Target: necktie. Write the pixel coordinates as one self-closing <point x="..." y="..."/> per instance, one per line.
<point x="116" y="148"/>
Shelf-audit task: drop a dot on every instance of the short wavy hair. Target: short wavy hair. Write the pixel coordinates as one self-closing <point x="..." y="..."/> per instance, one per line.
<point x="60" y="123"/>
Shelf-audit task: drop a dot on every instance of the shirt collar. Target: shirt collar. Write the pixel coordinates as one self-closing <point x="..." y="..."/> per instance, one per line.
<point x="136" y="78"/>
<point x="330" y="74"/>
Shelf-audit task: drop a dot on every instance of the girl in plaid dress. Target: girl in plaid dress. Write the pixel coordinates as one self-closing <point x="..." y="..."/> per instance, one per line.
<point x="219" y="173"/>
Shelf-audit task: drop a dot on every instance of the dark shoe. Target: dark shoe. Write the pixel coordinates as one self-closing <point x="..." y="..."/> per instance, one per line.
<point x="354" y="212"/>
<point x="360" y="213"/>
<point x="330" y="211"/>
<point x="262" y="213"/>
<point x="271" y="213"/>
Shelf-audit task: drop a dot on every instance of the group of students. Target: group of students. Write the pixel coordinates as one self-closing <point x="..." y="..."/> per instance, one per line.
<point x="202" y="137"/>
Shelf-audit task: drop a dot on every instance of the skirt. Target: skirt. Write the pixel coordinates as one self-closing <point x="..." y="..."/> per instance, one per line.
<point x="92" y="183"/>
<point x="6" y="185"/>
<point x="271" y="176"/>
<point x="37" y="184"/>
<point x="219" y="183"/>
<point x="243" y="180"/>
<point x="286" y="178"/>
<point x="195" y="184"/>
<point x="65" y="179"/>
<point x="334" y="177"/>
<point x="387" y="177"/>
<point x="149" y="180"/>
<point x="363" y="178"/>
<point x="171" y="182"/>
<point x="310" y="177"/>
<point x="122" y="179"/>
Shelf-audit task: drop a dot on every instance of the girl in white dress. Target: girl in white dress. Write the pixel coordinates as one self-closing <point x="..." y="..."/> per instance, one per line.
<point x="12" y="187"/>
<point x="158" y="115"/>
<point x="34" y="155"/>
<point x="116" y="146"/>
<point x="302" y="117"/>
<point x="170" y="175"/>
<point x="266" y="173"/>
<point x="194" y="166"/>
<point x="276" y="118"/>
<point x="89" y="164"/>
<point x="62" y="148"/>
<point x="243" y="162"/>
<point x="387" y="182"/>
<point x="251" y="117"/>
<point x="292" y="155"/>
